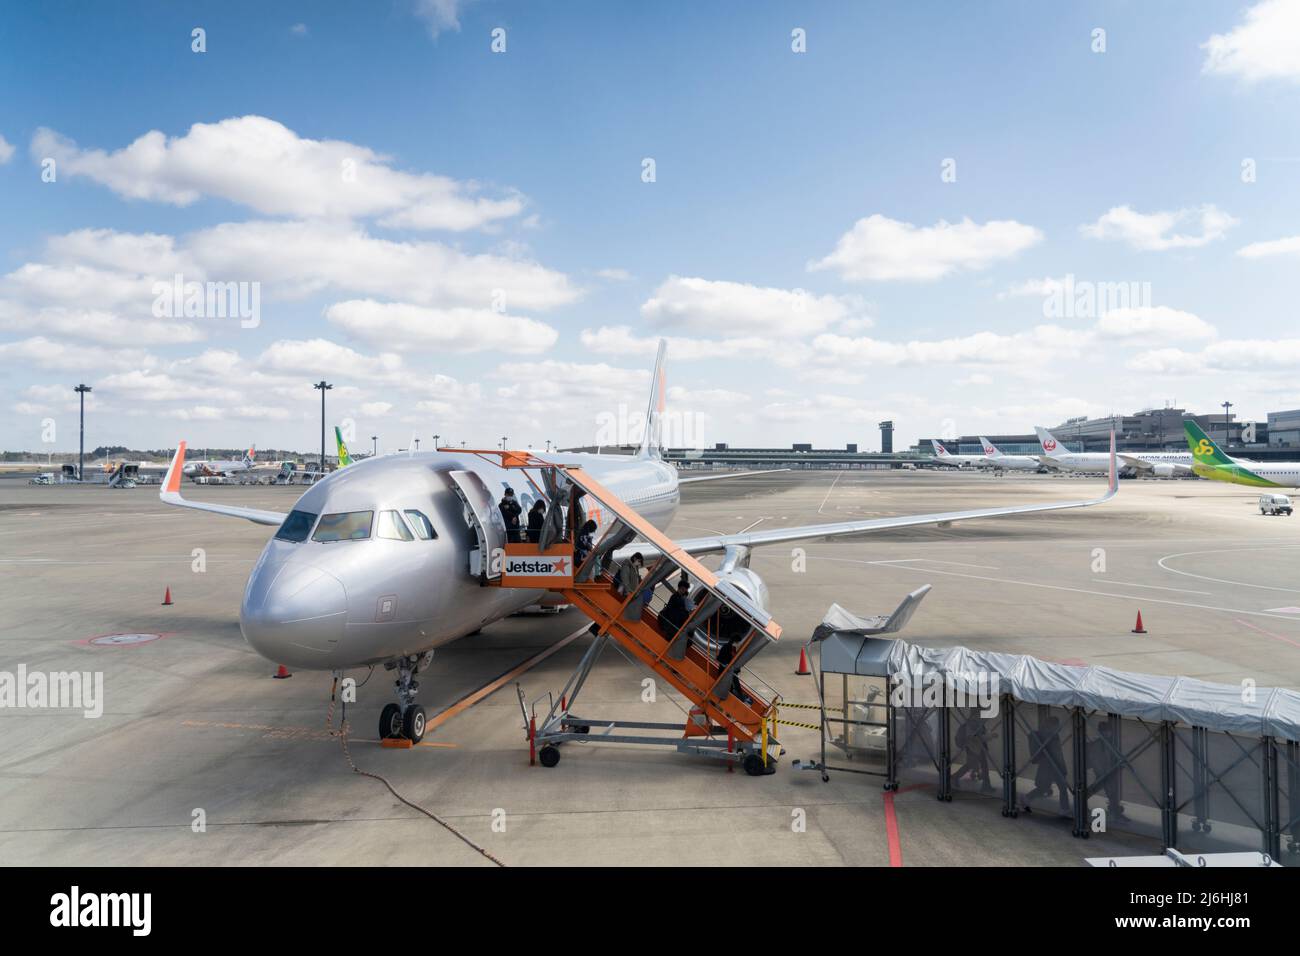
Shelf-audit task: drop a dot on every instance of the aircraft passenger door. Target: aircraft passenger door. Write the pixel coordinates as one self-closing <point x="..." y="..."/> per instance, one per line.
<point x="483" y="516"/>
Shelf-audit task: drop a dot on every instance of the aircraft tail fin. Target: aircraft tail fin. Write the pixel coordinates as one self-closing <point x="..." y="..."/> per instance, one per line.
<point x="990" y="449"/>
<point x="651" y="441"/>
<point x="1203" y="447"/>
<point x="250" y="455"/>
<point x="1047" y="441"/>
<point x="344" y="458"/>
<point x="939" y="450"/>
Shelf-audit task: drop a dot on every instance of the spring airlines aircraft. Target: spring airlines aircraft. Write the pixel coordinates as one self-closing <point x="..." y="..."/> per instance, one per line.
<point x="373" y="564"/>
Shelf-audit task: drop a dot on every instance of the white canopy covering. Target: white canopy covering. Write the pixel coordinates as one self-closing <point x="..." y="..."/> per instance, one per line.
<point x="1226" y="708"/>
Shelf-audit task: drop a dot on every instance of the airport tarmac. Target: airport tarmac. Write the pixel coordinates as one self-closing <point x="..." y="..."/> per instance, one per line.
<point x="194" y="725"/>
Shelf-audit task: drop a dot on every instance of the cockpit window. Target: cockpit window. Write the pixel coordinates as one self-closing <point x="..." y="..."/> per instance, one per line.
<point x="296" y="527"/>
<point x="349" y="526"/>
<point x="393" y="527"/>
<point x="422" y="525"/>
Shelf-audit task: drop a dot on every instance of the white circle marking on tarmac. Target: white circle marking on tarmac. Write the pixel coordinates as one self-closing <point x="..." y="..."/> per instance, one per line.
<point x="1242" y="584"/>
<point x="118" y="640"/>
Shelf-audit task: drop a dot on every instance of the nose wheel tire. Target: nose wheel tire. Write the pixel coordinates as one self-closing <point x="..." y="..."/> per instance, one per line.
<point x="413" y="724"/>
<point x="390" y="722"/>
<point x="549" y="755"/>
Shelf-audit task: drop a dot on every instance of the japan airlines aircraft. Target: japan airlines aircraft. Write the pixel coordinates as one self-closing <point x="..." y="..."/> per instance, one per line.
<point x="944" y="457"/>
<point x="1003" y="462"/>
<point x="210" y="469"/>
<point x="1210" y="461"/>
<point x="1161" y="464"/>
<point x="374" y="563"/>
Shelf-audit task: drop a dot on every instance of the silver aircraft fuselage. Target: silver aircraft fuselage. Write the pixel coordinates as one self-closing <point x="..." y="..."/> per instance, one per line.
<point x="338" y="604"/>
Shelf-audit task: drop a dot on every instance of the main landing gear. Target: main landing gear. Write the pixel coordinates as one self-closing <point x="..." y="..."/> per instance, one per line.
<point x="406" y="718"/>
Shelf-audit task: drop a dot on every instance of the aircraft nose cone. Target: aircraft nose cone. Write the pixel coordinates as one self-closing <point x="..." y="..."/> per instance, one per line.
<point x="294" y="614"/>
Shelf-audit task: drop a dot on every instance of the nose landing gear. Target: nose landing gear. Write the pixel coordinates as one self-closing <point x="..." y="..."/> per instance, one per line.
<point x="405" y="719"/>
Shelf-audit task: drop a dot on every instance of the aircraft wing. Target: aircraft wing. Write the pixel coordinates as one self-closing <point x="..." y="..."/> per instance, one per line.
<point x="1133" y="461"/>
<point x="170" y="493"/>
<point x="728" y="474"/>
<point x="753" y="539"/>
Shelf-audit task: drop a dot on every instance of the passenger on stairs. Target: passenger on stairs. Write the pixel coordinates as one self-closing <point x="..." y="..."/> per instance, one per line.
<point x="586" y="540"/>
<point x="510" y="512"/>
<point x="629" y="577"/>
<point x="677" y="610"/>
<point x="536" y="518"/>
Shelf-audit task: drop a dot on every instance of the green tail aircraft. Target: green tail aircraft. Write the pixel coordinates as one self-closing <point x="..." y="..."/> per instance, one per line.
<point x="344" y="458"/>
<point x="1211" y="461"/>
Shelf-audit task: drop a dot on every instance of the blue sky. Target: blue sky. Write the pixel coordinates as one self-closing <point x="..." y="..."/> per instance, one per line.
<point x="496" y="264"/>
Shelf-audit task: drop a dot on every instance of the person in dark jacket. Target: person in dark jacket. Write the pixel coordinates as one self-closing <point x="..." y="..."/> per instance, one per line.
<point x="582" y="547"/>
<point x="536" y="518"/>
<point x="677" y="610"/>
<point x="510" y="512"/>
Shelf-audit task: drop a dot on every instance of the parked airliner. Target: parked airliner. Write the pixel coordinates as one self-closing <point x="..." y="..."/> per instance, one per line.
<point x="373" y="564"/>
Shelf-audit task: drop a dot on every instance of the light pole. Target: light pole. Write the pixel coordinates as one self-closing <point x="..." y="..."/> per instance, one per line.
<point x="548" y="444"/>
<point x="435" y="442"/>
<point x="374" y="452"/>
<point x="503" y="442"/>
<point x="417" y="444"/>
<point x="1227" y="418"/>
<point x="81" y="455"/>
<point x="324" y="387"/>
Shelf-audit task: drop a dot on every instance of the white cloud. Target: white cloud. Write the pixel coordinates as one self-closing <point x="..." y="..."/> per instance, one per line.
<point x="614" y="275"/>
<point x="1033" y="287"/>
<point x="1152" y="232"/>
<point x="879" y="248"/>
<point x="1288" y="246"/>
<point x="1263" y="46"/>
<point x="400" y="325"/>
<point x="1230" y="355"/>
<point x="304" y="258"/>
<point x="260" y="163"/>
<point x="6" y="151"/>
<point x="312" y="356"/>
<point x="739" y="308"/>
<point x="1041" y="344"/>
<point x="47" y="353"/>
<point x="439" y="15"/>
<point x="622" y="340"/>
<point x="299" y="29"/>
<point x="98" y="325"/>
<point x="1160" y="323"/>
<point x="376" y="409"/>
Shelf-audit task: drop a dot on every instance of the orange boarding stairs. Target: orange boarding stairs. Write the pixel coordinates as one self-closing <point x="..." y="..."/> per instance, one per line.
<point x="703" y="659"/>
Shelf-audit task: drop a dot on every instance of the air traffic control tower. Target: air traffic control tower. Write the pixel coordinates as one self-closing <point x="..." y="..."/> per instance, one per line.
<point x="887" y="438"/>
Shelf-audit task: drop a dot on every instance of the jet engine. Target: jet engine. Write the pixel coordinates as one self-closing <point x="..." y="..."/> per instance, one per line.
<point x="1164" y="470"/>
<point x="736" y="572"/>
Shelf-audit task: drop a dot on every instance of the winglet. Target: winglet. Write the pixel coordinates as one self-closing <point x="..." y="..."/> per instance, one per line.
<point x="654" y="412"/>
<point x="171" y="486"/>
<point x="1114" y="472"/>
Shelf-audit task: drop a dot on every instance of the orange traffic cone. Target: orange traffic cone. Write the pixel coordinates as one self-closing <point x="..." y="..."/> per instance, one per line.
<point x="167" y="598"/>
<point x="282" y="673"/>
<point x="1138" y="628"/>
<point x="803" y="670"/>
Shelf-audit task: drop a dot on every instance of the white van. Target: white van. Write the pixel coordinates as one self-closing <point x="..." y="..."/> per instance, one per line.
<point x="1274" y="505"/>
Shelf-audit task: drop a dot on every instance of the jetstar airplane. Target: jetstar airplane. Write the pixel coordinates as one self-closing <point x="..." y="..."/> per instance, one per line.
<point x="944" y="457"/>
<point x="1004" y="462"/>
<point x="374" y="563"/>
<point x="211" y="469"/>
<point x="1210" y="461"/>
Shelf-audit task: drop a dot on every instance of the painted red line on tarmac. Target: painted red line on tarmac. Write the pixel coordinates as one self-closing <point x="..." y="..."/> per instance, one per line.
<point x="891" y="823"/>
<point x="1277" y="637"/>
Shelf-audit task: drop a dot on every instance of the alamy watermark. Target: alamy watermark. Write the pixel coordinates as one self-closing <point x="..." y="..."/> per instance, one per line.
<point x="179" y="299"/>
<point x="57" y="690"/>
<point x="966" y="689"/>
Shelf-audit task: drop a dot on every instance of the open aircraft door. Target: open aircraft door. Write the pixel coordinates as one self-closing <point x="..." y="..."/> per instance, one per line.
<point x="482" y="515"/>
